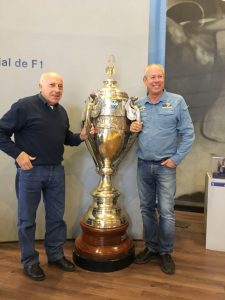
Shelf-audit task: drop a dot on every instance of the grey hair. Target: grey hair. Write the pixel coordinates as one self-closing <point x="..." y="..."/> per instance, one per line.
<point x="153" y="66"/>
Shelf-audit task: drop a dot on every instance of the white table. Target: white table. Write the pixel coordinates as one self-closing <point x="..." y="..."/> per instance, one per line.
<point x="215" y="213"/>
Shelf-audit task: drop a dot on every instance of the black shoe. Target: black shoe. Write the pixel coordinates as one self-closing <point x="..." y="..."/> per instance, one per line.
<point x="167" y="264"/>
<point x="145" y="256"/>
<point x="63" y="264"/>
<point x="35" y="272"/>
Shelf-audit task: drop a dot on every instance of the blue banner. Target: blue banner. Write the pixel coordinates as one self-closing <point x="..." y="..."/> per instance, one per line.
<point x="157" y="32"/>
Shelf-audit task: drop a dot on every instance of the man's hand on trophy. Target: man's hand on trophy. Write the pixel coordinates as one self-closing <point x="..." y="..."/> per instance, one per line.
<point x="136" y="126"/>
<point x="84" y="135"/>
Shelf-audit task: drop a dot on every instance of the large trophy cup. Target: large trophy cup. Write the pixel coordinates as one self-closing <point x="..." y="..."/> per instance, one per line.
<point x="104" y="245"/>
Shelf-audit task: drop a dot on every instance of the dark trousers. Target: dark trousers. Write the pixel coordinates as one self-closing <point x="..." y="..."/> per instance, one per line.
<point x="48" y="181"/>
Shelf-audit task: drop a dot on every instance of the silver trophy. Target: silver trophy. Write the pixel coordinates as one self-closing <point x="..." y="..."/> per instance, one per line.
<point x="104" y="244"/>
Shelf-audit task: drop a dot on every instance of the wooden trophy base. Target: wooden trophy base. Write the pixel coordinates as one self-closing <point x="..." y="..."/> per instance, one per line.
<point x="103" y="250"/>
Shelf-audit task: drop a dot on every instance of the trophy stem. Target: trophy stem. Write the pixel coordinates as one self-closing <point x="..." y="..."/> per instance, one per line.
<point x="104" y="186"/>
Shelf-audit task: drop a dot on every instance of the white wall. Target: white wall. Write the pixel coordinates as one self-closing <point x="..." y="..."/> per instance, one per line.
<point x="75" y="39"/>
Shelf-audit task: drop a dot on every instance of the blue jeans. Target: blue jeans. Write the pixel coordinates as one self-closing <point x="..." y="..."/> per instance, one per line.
<point x="157" y="187"/>
<point x="49" y="181"/>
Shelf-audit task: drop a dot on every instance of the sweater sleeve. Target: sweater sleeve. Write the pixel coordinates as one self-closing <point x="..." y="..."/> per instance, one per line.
<point x="11" y="122"/>
<point x="72" y="139"/>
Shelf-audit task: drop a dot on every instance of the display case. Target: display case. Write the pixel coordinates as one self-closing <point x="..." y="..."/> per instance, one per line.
<point x="215" y="213"/>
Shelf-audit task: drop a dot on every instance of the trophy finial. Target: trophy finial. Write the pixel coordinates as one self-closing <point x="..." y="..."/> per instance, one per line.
<point x="110" y="68"/>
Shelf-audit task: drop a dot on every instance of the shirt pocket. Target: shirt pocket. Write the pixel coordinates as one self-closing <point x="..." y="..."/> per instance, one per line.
<point x="166" y="111"/>
<point x="166" y="118"/>
<point x="146" y="118"/>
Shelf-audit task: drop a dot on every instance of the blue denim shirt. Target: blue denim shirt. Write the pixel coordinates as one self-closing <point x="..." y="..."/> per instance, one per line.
<point x="167" y="128"/>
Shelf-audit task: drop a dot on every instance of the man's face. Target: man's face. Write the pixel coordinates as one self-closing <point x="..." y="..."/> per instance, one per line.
<point x="154" y="81"/>
<point x="51" y="88"/>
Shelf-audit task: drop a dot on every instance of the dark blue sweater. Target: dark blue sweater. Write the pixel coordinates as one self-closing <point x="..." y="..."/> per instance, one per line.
<point x="38" y="130"/>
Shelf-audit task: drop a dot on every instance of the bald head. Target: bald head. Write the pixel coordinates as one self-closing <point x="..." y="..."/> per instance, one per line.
<point x="51" y="87"/>
<point x="48" y="75"/>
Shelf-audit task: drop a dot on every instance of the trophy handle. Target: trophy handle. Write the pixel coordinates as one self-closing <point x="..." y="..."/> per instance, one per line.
<point x="91" y="110"/>
<point x="86" y="122"/>
<point x="133" y="110"/>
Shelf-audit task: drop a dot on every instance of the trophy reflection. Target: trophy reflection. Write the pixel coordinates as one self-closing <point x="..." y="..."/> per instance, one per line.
<point x="104" y="244"/>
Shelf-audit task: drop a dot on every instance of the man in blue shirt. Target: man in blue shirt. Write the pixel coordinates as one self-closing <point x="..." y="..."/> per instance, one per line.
<point x="40" y="127"/>
<point x="166" y="135"/>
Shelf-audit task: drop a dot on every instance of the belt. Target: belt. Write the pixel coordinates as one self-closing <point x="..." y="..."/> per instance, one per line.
<point x="156" y="161"/>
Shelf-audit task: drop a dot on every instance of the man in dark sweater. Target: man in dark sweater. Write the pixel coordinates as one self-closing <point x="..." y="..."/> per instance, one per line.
<point x="40" y="127"/>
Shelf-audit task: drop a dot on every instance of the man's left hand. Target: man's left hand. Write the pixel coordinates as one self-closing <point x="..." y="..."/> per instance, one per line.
<point x="169" y="163"/>
<point x="84" y="135"/>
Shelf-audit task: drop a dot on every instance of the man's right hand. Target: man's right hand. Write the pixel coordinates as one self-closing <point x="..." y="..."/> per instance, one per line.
<point x="136" y="126"/>
<point x="24" y="161"/>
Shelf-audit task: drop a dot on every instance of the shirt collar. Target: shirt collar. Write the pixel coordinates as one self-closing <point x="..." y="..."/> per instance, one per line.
<point x="45" y="101"/>
<point x="146" y="100"/>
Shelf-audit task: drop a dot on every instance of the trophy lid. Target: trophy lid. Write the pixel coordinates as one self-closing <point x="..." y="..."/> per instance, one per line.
<point x="110" y="89"/>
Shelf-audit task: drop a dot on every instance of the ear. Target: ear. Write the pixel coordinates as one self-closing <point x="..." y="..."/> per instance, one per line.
<point x="145" y="80"/>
